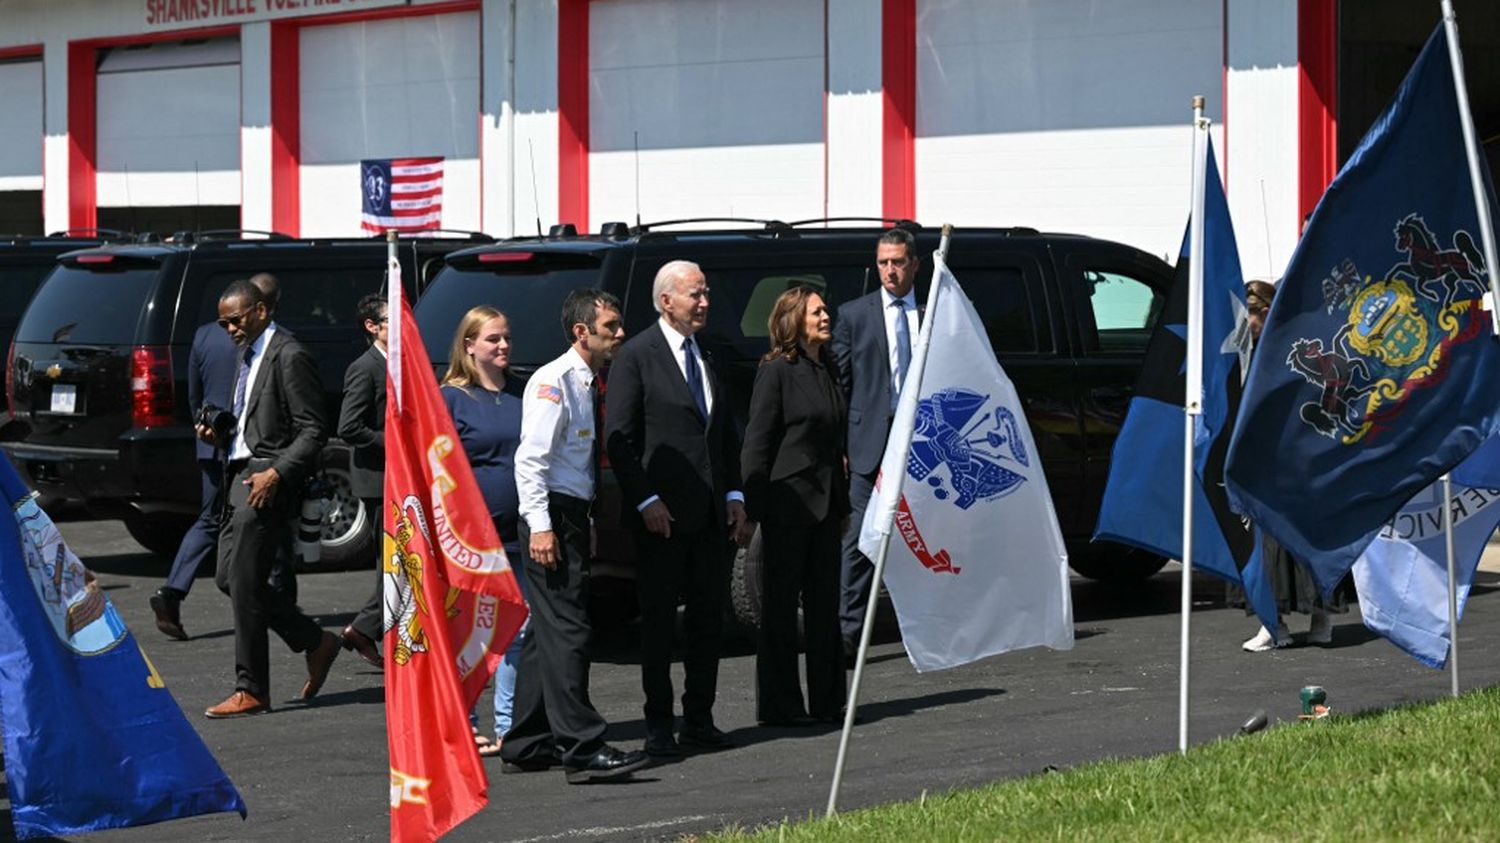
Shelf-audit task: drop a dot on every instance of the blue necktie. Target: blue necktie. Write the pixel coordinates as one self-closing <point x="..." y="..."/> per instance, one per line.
<point x="694" y="378"/>
<point x="242" y="383"/>
<point x="903" y="349"/>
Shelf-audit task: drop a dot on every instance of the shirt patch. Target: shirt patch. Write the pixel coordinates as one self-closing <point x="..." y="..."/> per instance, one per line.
<point x="548" y="392"/>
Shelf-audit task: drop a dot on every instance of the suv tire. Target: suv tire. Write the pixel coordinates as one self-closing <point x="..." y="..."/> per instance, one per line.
<point x="1116" y="564"/>
<point x="349" y="532"/>
<point x="161" y="533"/>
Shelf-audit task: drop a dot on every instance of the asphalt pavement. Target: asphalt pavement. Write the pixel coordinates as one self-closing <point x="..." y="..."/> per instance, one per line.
<point x="318" y="771"/>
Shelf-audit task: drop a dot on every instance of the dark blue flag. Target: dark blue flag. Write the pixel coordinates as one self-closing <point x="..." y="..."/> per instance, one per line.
<point x="93" y="739"/>
<point x="1376" y="371"/>
<point x="1143" y="500"/>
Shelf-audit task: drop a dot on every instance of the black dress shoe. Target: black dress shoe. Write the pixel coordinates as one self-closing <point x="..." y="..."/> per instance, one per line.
<point x="605" y="765"/>
<point x="168" y="608"/>
<point x="662" y="745"/>
<point x="704" y="737"/>
<point x="535" y="764"/>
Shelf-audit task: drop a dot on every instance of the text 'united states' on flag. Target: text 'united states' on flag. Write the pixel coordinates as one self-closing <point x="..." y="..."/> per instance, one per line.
<point x="401" y="194"/>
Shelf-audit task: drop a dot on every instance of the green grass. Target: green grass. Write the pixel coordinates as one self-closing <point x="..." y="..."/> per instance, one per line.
<point x="1422" y="772"/>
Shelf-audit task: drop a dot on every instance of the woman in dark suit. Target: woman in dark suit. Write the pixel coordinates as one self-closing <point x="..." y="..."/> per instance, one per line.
<point x="796" y="487"/>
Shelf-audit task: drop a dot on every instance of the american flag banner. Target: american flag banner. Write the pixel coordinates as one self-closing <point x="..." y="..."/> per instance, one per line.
<point x="404" y="194"/>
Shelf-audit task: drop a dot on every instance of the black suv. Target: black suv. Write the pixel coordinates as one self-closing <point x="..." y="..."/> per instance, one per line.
<point x="1069" y="316"/>
<point x="97" y="374"/>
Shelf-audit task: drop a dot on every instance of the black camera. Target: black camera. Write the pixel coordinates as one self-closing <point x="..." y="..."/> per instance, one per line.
<point x="217" y="419"/>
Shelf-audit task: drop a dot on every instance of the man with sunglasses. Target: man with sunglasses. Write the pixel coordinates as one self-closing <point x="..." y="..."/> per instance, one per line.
<point x="278" y="404"/>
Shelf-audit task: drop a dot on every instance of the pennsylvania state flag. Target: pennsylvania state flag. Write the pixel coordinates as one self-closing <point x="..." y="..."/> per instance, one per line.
<point x="93" y="739"/>
<point x="1376" y="371"/>
<point x="1143" y="500"/>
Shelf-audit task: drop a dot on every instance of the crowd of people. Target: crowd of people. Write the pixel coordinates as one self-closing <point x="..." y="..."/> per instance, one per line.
<point x="820" y="413"/>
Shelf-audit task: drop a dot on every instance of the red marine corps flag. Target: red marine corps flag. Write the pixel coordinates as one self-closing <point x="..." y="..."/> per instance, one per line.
<point x="451" y="601"/>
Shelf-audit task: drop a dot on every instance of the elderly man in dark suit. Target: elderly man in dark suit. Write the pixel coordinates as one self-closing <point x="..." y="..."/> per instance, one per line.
<point x="672" y="444"/>
<point x="279" y="404"/>
<point x="362" y="426"/>
<point x="872" y="344"/>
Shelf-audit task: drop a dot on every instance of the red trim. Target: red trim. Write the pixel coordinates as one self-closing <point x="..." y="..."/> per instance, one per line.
<point x="898" y="72"/>
<point x="573" y="113"/>
<point x="170" y="35"/>
<point x="286" y="129"/>
<point x="82" y="136"/>
<point x="1224" y="90"/>
<point x="24" y="51"/>
<point x="1317" y="101"/>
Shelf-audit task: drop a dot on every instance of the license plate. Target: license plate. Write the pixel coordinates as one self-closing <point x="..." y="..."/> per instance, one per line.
<point x="64" y="398"/>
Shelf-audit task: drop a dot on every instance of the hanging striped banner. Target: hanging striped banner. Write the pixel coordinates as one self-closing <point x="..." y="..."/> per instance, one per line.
<point x="404" y="194"/>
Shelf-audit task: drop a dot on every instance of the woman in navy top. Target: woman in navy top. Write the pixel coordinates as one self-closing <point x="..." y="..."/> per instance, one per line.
<point x="485" y="403"/>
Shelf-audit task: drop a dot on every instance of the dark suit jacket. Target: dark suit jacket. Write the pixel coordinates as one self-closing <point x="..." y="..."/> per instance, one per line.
<point x="864" y="364"/>
<point x="656" y="442"/>
<point x="362" y="422"/>
<point x="212" y="364"/>
<point x="284" y="415"/>
<point x="793" y="457"/>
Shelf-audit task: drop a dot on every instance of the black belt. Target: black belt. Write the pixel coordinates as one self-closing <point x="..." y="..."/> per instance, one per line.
<point x="570" y="503"/>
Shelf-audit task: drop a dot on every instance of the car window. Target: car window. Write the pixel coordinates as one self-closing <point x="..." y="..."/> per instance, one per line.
<point x="531" y="300"/>
<point x="88" y="306"/>
<point x="17" y="285"/>
<point x="1003" y="301"/>
<point x="316" y="303"/>
<point x="1125" y="309"/>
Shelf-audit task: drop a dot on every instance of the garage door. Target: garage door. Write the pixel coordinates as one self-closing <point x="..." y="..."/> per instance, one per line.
<point x="1065" y="115"/>
<point x="403" y="88"/>
<point x="724" y="99"/>
<point x="169" y="125"/>
<point x="21" y="147"/>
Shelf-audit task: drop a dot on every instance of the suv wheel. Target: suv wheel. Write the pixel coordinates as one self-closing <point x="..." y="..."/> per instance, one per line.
<point x="1117" y="564"/>
<point x="161" y="532"/>
<point x="349" y="532"/>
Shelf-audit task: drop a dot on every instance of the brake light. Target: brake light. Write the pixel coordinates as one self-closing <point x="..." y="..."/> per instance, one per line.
<point x="505" y="257"/>
<point x="10" y="379"/>
<point x="96" y="258"/>
<point x="151" y="400"/>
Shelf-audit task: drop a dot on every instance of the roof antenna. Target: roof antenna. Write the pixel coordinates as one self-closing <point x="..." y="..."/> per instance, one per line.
<point x="197" y="199"/>
<point x="637" y="136"/>
<point x="536" y="204"/>
<point x="1265" y="218"/>
<point x="135" y="222"/>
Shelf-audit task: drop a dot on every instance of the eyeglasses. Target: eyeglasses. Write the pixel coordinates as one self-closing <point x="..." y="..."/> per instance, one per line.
<point x="234" y="320"/>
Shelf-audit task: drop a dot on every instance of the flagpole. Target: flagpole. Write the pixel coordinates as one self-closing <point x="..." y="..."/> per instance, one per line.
<point x="1471" y="149"/>
<point x="913" y="382"/>
<point x="393" y="315"/>
<point x="1452" y="583"/>
<point x="1192" y="406"/>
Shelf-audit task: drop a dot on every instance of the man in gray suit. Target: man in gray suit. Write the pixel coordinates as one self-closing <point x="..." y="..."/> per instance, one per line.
<point x="279" y="404"/>
<point x="872" y="342"/>
<point x="362" y="426"/>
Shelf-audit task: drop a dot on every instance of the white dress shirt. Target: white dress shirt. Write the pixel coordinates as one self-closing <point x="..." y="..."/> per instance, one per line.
<point x="556" y="452"/>
<point x="887" y="302"/>
<point x="238" y="448"/>
<point x="674" y="342"/>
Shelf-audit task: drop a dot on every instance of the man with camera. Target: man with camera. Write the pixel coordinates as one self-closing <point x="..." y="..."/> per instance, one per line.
<point x="210" y="382"/>
<point x="278" y="403"/>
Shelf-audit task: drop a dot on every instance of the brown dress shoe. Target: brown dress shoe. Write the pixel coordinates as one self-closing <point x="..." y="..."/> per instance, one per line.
<point x="353" y="639"/>
<point x="239" y="704"/>
<point x="168" y="610"/>
<point x="319" y="660"/>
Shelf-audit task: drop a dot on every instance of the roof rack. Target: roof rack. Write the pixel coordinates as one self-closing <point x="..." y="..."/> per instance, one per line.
<point x="476" y="236"/>
<point x="769" y="225"/>
<point x="895" y="222"/>
<point x="100" y="233"/>
<point x="187" y="237"/>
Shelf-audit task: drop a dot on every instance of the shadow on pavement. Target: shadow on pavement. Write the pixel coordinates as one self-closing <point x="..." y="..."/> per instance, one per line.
<point x="131" y="565"/>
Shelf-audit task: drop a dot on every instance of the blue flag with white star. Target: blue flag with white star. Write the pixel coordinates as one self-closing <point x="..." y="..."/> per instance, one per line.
<point x="1142" y="503"/>
<point x="1377" y="371"/>
<point x="93" y="739"/>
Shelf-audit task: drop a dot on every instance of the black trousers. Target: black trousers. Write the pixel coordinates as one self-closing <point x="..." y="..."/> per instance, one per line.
<point x="371" y="617"/>
<point x="552" y="713"/>
<point x="799" y="564"/>
<point x="691" y="567"/>
<point x="248" y="545"/>
<point x="858" y="572"/>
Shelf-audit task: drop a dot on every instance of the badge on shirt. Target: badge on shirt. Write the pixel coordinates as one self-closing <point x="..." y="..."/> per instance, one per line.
<point x="548" y="392"/>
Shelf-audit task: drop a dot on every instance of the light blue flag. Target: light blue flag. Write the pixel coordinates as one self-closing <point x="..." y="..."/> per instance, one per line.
<point x="1402" y="577"/>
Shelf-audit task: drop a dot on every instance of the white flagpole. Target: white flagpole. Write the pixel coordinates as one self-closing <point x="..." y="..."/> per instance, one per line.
<point x="1192" y="404"/>
<point x="1471" y="149"/>
<point x="393" y="315"/>
<point x="904" y="419"/>
<point x="1452" y="583"/>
